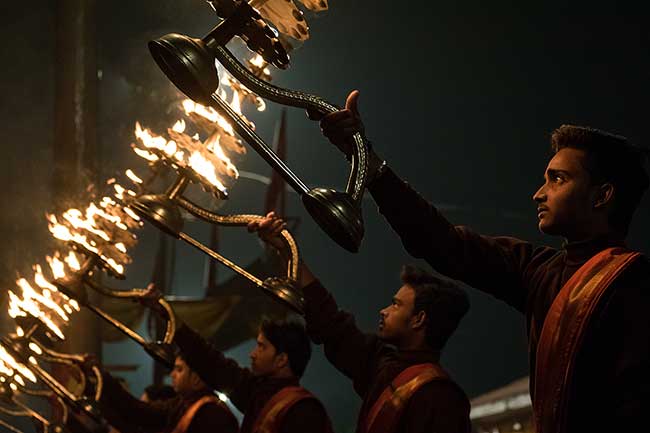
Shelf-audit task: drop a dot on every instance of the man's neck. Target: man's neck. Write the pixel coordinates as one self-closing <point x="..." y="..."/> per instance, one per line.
<point x="281" y="374"/>
<point x="415" y="345"/>
<point x="595" y="234"/>
<point x="194" y="392"/>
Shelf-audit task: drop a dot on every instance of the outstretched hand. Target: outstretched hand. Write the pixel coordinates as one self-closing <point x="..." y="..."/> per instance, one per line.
<point x="340" y="126"/>
<point x="151" y="292"/>
<point x="89" y="360"/>
<point x="268" y="229"/>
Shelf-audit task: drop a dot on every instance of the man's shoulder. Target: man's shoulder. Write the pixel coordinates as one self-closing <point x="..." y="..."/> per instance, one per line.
<point x="307" y="407"/>
<point x="442" y="392"/>
<point x="307" y="414"/>
<point x="214" y="413"/>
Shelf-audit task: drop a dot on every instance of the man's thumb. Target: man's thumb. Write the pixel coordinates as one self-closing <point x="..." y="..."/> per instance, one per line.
<point x="352" y="102"/>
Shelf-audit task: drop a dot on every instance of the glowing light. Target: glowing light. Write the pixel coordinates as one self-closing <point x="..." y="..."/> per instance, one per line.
<point x="131" y="175"/>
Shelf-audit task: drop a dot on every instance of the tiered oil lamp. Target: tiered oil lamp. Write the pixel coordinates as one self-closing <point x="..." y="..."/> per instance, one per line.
<point x="190" y="64"/>
<point x="163" y="210"/>
<point x="102" y="236"/>
<point x="21" y="359"/>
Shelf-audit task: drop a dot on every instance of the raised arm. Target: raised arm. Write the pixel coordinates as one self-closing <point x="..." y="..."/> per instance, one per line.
<point x="123" y="410"/>
<point x="497" y="265"/>
<point x="350" y="350"/>
<point x="217" y="371"/>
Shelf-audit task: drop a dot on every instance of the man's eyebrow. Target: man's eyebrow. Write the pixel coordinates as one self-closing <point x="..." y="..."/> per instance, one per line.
<point x="396" y="300"/>
<point x="555" y="172"/>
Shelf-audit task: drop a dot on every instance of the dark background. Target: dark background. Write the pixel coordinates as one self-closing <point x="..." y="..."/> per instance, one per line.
<point x="460" y="97"/>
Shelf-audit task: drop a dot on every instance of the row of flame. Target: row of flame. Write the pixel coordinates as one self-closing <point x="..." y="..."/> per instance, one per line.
<point x="105" y="229"/>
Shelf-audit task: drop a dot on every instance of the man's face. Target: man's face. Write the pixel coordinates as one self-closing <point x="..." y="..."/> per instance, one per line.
<point x="396" y="320"/>
<point x="565" y="203"/>
<point x="264" y="357"/>
<point x="184" y="380"/>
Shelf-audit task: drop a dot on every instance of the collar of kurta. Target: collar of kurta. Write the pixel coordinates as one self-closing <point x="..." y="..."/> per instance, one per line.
<point x="278" y="382"/>
<point x="190" y="398"/>
<point x="419" y="356"/>
<point x="580" y="251"/>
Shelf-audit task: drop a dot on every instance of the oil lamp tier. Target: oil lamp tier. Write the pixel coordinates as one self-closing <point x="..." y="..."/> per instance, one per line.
<point x="189" y="63"/>
<point x="163" y="211"/>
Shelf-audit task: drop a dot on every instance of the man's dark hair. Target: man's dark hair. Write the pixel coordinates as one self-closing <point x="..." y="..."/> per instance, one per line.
<point x="611" y="159"/>
<point x="290" y="337"/>
<point x="443" y="301"/>
<point x="159" y="392"/>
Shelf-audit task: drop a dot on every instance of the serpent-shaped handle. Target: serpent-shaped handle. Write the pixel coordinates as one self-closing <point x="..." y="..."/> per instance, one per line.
<point x="359" y="164"/>
<point x="158" y="304"/>
<point x="242" y="220"/>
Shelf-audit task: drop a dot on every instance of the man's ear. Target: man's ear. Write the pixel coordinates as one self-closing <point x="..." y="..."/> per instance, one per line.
<point x="196" y="381"/>
<point x="604" y="195"/>
<point x="281" y="360"/>
<point x="419" y="319"/>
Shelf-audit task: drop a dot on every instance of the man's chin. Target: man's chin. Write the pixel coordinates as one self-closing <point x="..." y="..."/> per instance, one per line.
<point x="547" y="228"/>
<point x="257" y="372"/>
<point x="383" y="336"/>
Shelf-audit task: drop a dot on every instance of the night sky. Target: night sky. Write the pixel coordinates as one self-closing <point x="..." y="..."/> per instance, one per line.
<point x="460" y="98"/>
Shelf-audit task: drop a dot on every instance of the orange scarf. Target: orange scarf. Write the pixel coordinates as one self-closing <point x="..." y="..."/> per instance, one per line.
<point x="385" y="413"/>
<point x="185" y="421"/>
<point x="271" y="415"/>
<point x="564" y="329"/>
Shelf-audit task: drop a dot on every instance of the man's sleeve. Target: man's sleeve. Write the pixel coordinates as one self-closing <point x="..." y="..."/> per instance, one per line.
<point x="217" y="371"/>
<point x="121" y="408"/>
<point x="306" y="416"/>
<point x="211" y="418"/>
<point x="631" y="387"/>
<point x="351" y="351"/>
<point x="495" y="265"/>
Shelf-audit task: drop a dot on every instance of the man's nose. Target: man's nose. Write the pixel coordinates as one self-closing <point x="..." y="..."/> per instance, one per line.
<point x="540" y="195"/>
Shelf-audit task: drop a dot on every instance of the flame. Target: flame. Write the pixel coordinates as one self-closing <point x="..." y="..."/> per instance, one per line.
<point x="72" y="261"/>
<point x="258" y="61"/>
<point x="205" y="159"/>
<point x="103" y="229"/>
<point x="179" y="126"/>
<point x="208" y="113"/>
<point x="63" y="233"/>
<point x="213" y="144"/>
<point x="236" y="102"/>
<point x="8" y="366"/>
<point x="35" y="348"/>
<point x="205" y="168"/>
<point x="29" y="304"/>
<point x="56" y="266"/>
<point x="130" y="213"/>
<point x="145" y="154"/>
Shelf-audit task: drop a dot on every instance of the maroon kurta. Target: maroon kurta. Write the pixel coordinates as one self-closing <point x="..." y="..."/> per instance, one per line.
<point x="130" y="415"/>
<point x="248" y="393"/>
<point x="439" y="406"/>
<point x="613" y="366"/>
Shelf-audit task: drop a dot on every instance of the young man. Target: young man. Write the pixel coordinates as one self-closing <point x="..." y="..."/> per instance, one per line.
<point x="586" y="304"/>
<point x="269" y="393"/>
<point x="396" y="371"/>
<point x="194" y="409"/>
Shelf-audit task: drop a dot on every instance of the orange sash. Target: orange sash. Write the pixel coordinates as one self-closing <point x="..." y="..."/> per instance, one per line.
<point x="564" y="330"/>
<point x="185" y="421"/>
<point x="386" y="411"/>
<point x="272" y="413"/>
